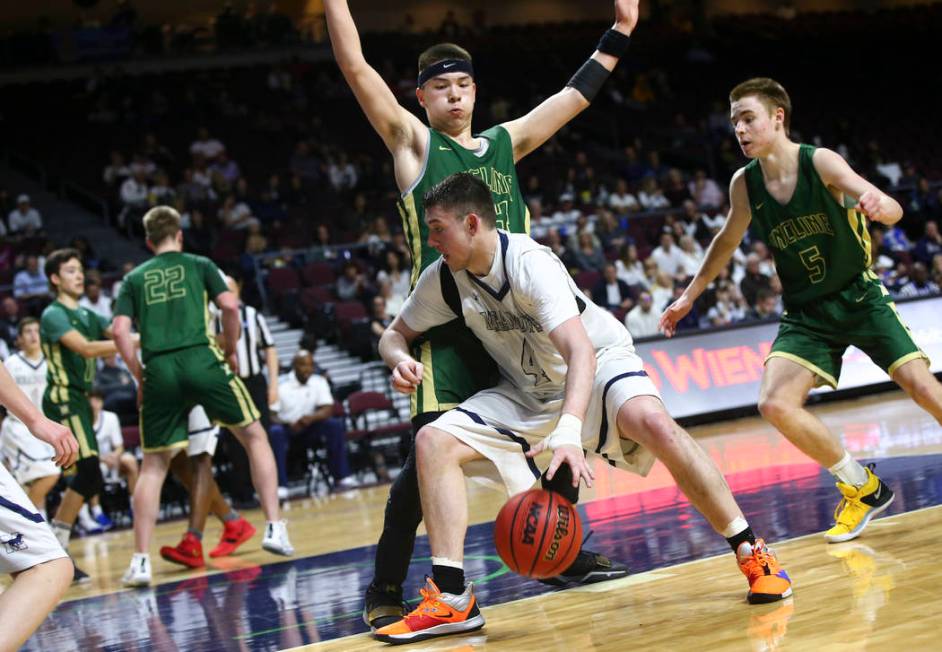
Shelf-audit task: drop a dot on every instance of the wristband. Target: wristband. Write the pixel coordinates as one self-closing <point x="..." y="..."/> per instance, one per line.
<point x="568" y="432"/>
<point x="589" y="79"/>
<point x="614" y="43"/>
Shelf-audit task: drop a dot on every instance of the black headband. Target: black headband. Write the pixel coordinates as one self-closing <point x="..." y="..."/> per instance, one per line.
<point x="443" y="67"/>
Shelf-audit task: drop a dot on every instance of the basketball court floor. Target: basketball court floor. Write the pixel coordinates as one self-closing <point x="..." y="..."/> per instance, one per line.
<point x="686" y="592"/>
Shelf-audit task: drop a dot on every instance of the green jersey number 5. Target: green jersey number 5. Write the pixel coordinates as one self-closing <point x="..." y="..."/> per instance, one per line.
<point x="814" y="263"/>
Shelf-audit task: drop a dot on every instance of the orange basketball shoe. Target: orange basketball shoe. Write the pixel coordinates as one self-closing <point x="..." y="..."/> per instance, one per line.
<point x="439" y="614"/>
<point x="768" y="581"/>
<point x="189" y="552"/>
<point x="234" y="534"/>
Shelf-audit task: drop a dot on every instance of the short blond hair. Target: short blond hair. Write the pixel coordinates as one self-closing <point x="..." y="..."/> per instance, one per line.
<point x="160" y="223"/>
<point x="769" y="92"/>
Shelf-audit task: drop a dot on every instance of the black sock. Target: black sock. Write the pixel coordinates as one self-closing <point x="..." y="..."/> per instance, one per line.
<point x="745" y="535"/>
<point x="448" y="579"/>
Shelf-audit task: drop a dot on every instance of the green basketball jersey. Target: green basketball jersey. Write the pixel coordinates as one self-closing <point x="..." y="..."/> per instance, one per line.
<point x="65" y="368"/>
<point x="168" y="298"/>
<point x="818" y="245"/>
<point x="445" y="157"/>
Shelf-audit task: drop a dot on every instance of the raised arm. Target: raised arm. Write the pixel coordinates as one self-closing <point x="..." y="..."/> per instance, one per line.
<point x="717" y="256"/>
<point x="398" y="128"/>
<point x="837" y="173"/>
<point x="536" y="127"/>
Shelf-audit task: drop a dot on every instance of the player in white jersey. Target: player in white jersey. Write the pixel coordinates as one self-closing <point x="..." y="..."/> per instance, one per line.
<point x="571" y="381"/>
<point x="29" y="550"/>
<point x="29" y="459"/>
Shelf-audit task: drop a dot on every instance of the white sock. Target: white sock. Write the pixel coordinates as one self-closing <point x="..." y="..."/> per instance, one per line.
<point x="96" y="511"/>
<point x="849" y="471"/>
<point x="445" y="561"/>
<point x="736" y="526"/>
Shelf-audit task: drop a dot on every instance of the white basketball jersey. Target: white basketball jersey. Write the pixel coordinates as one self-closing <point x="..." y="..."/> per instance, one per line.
<point x="29" y="376"/>
<point x="512" y="310"/>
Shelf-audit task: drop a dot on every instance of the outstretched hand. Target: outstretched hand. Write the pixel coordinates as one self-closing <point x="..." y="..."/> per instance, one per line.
<point x="60" y="438"/>
<point x="674" y="313"/>
<point x="626" y="16"/>
<point x="570" y="455"/>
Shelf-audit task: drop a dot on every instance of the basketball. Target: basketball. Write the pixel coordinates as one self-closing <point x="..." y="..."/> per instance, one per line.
<point x="538" y="533"/>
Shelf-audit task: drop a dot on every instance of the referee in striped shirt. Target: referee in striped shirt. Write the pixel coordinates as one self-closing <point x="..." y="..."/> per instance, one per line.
<point x="254" y="339"/>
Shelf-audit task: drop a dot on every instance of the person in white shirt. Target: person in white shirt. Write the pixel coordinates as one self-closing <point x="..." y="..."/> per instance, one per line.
<point x="668" y="256"/>
<point x="29" y="459"/>
<point x="94" y="298"/>
<point x="571" y="381"/>
<point x="621" y="201"/>
<point x="305" y="415"/>
<point x="642" y="320"/>
<point x="31" y="286"/>
<point x="206" y="146"/>
<point x="24" y="218"/>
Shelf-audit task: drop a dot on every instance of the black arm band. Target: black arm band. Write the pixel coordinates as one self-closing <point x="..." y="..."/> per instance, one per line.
<point x="589" y="78"/>
<point x="614" y="43"/>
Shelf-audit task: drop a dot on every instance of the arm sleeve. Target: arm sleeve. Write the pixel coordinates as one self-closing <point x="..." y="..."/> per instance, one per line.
<point x="426" y="307"/>
<point x="324" y="397"/>
<point x="213" y="278"/>
<point x="114" y="430"/>
<point x="124" y="304"/>
<point x="54" y="325"/>
<point x="544" y="285"/>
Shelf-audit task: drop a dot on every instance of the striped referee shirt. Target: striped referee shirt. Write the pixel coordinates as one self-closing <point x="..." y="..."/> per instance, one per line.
<point x="255" y="337"/>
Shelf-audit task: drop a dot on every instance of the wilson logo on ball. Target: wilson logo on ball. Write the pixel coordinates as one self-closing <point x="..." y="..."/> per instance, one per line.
<point x="560" y="533"/>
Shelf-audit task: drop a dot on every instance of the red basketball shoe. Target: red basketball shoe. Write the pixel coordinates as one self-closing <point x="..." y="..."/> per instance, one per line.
<point x="189" y="552"/>
<point x="234" y="534"/>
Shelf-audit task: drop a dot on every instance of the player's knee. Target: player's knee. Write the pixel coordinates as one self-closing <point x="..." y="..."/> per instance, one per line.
<point x="660" y="428"/>
<point x="773" y="409"/>
<point x="926" y="392"/>
<point x="432" y="443"/>
<point x="87" y="481"/>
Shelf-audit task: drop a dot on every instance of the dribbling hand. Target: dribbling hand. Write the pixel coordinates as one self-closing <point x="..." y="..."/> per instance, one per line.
<point x="406" y="376"/>
<point x="872" y="205"/>
<point x="60" y="438"/>
<point x="571" y="455"/>
<point x="674" y="313"/>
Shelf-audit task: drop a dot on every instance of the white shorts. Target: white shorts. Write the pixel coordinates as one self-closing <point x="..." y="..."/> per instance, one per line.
<point x="204" y="434"/>
<point x="25" y="538"/>
<point x="502" y="423"/>
<point x="28" y="458"/>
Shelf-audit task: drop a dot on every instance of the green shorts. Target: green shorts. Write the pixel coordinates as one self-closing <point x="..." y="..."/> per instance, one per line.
<point x="176" y="381"/>
<point x="455" y="366"/>
<point x="862" y="315"/>
<point x="71" y="408"/>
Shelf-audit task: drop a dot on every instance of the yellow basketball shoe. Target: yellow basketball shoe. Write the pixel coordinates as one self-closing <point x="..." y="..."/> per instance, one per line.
<point x="439" y="614"/>
<point x="858" y="506"/>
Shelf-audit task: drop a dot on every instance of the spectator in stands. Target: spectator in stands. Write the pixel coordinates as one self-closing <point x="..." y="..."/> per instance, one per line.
<point x="654" y="167"/>
<point x="929" y="245"/>
<point x="352" y="284"/>
<point x="662" y="290"/>
<point x="30" y="286"/>
<point x="161" y="192"/>
<point x="651" y="196"/>
<point x="608" y="231"/>
<point x="566" y="212"/>
<point x="896" y="240"/>
<point x="198" y="237"/>
<point x="399" y="278"/>
<point x="629" y="267"/>
<point x="235" y="215"/>
<point x="675" y="190"/>
<point x="205" y="146"/>
<point x="304" y="164"/>
<point x="342" y="174"/>
<point x="668" y="256"/>
<point x="94" y="298"/>
<point x="154" y="151"/>
<point x="705" y="191"/>
<point x="765" y="306"/>
<point x="226" y="168"/>
<point x="24" y="219"/>
<point x="642" y="320"/>
<point x="621" y="201"/>
<point x="306" y="421"/>
<point x="727" y="308"/>
<point x="255" y="240"/>
<point x="631" y="167"/>
<point x="919" y="285"/>
<point x="195" y="192"/>
<point x="143" y="164"/>
<point x="692" y="255"/>
<point x="611" y="292"/>
<point x="116" y="171"/>
<point x="380" y="318"/>
<point x="754" y="279"/>
<point x="924" y="201"/>
<point x="134" y="198"/>
<point x="588" y="255"/>
<point x="9" y="321"/>
<point x="936" y="272"/>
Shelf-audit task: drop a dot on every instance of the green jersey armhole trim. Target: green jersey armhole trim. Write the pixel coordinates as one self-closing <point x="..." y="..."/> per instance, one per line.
<point x="428" y="148"/>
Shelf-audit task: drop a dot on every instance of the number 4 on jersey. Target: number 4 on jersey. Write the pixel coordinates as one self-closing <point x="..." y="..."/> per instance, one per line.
<point x="530" y="366"/>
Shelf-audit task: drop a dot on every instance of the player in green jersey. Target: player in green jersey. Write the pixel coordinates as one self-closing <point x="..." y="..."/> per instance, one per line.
<point x="72" y="338"/>
<point x="455" y="364"/>
<point x="811" y="209"/>
<point x="167" y="297"/>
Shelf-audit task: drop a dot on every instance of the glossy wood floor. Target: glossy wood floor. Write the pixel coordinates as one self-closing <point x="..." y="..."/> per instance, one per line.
<point x="883" y="590"/>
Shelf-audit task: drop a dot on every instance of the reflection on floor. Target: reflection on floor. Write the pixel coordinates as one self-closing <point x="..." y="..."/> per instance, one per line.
<point x="317" y="598"/>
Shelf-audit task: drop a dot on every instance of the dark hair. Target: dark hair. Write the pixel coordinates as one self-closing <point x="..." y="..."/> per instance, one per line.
<point x="462" y="193"/>
<point x="764" y="293"/>
<point x="768" y="91"/>
<point x="23" y="323"/>
<point x="442" y="52"/>
<point x="57" y="259"/>
<point x="96" y="392"/>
